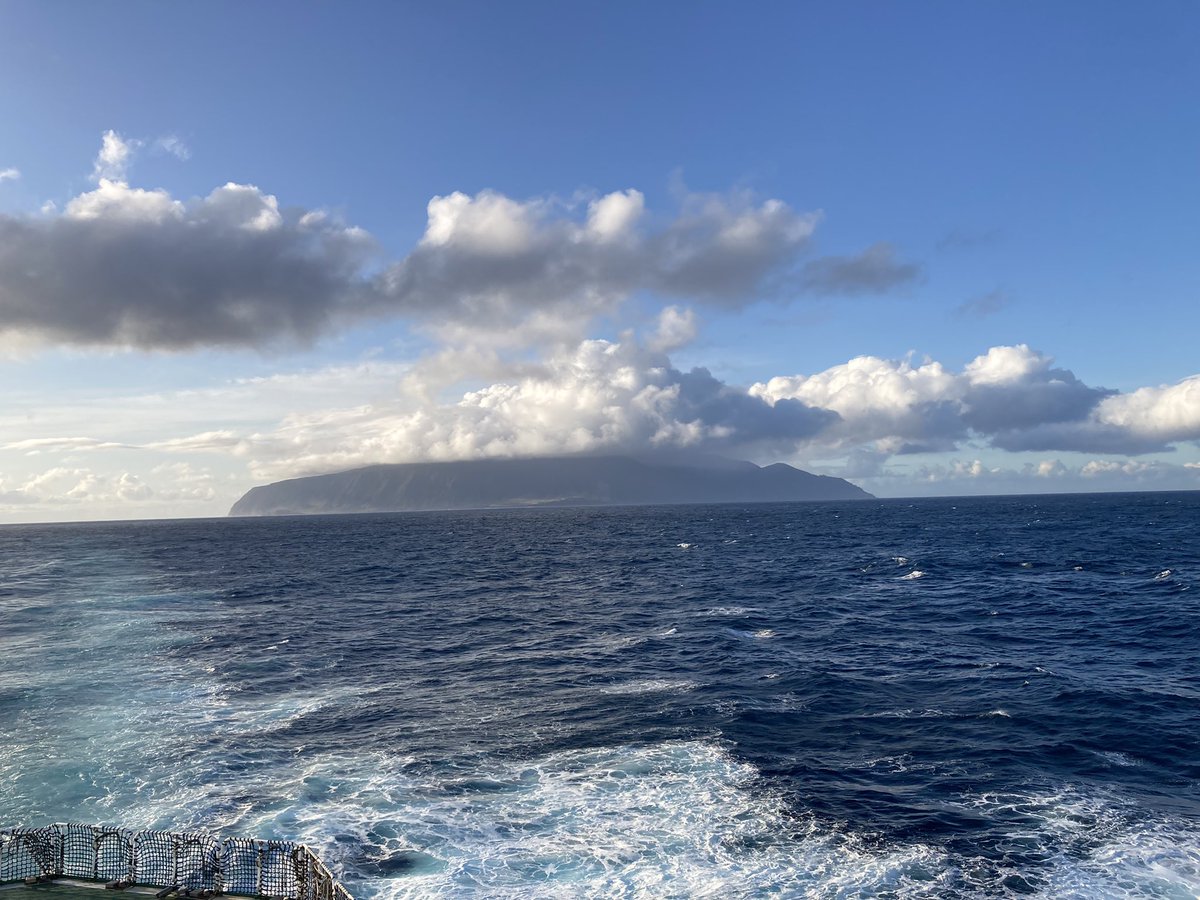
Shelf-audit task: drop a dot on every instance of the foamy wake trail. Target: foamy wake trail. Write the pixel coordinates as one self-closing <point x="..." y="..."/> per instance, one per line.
<point x="687" y="819"/>
<point x="1102" y="846"/>
<point x="677" y="819"/>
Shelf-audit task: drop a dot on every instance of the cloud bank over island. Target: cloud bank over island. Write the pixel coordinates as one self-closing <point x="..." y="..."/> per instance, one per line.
<point x="623" y="396"/>
<point x="508" y="295"/>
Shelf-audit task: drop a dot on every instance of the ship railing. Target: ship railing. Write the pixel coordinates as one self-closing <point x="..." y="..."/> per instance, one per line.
<point x="186" y="863"/>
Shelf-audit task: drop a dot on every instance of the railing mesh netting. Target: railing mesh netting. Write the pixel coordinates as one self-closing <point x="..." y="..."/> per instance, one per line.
<point x="168" y="859"/>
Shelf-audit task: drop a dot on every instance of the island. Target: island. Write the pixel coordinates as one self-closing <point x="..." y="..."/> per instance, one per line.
<point x="544" y="481"/>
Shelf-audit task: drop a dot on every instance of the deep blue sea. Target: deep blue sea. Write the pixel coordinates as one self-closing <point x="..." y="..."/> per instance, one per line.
<point x="905" y="698"/>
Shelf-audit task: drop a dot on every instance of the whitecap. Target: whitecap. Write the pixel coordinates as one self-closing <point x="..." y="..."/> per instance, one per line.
<point x="913" y="575"/>
<point x="1164" y="574"/>
<point x="910" y="713"/>
<point x="1116" y="758"/>
<point x="727" y="611"/>
<point x="684" y="546"/>
<point x="651" y="686"/>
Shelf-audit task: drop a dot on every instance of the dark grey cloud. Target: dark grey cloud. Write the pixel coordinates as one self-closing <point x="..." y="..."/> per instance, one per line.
<point x="124" y="266"/>
<point x="876" y="270"/>
<point x="491" y="259"/>
<point x="969" y="238"/>
<point x="1042" y="397"/>
<point x="134" y="268"/>
<point x="983" y="306"/>
<point x="749" y="419"/>
<point x="1083" y="436"/>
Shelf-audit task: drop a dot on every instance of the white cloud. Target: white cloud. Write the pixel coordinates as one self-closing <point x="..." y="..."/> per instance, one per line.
<point x="175" y="146"/>
<point x="614" y="215"/>
<point x="976" y="477"/>
<point x="1050" y="468"/>
<point x="1166" y="413"/>
<point x="599" y="396"/>
<point x="207" y="441"/>
<point x="594" y="396"/>
<point x="493" y="270"/>
<point x="59" y="444"/>
<point x="677" y="327"/>
<point x="488" y="223"/>
<point x="112" y="162"/>
<point x="622" y="396"/>
<point x="1096" y="468"/>
<point x="1006" y="365"/>
<point x="9" y="174"/>
<point x="879" y="400"/>
<point x="244" y="206"/>
<point x="62" y="485"/>
<point x="1010" y="395"/>
<point x="117" y="202"/>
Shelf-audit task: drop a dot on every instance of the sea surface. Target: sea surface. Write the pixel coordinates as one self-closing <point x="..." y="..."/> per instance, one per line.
<point x="983" y="697"/>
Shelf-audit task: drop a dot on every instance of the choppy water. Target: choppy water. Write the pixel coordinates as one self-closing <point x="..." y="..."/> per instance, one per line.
<point x="932" y="698"/>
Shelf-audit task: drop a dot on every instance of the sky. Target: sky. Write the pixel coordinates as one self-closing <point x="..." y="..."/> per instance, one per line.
<point x="935" y="248"/>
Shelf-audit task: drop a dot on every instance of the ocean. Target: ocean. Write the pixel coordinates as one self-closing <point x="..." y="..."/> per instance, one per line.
<point x="981" y="697"/>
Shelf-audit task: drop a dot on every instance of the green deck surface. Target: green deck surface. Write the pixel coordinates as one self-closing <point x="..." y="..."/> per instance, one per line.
<point x="72" y="890"/>
<point x="58" y="891"/>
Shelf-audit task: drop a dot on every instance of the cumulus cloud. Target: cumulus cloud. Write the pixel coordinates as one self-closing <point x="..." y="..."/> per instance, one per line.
<point x="909" y="408"/>
<point x="488" y="260"/>
<point x="1164" y="413"/>
<point x="9" y="174"/>
<point x="1011" y="389"/>
<point x="62" y="484"/>
<point x="627" y="396"/>
<point x="676" y="328"/>
<point x="131" y="267"/>
<point x="114" y="157"/>
<point x="1013" y="396"/>
<point x="599" y="396"/>
<point x="974" y="476"/>
<point x="111" y="492"/>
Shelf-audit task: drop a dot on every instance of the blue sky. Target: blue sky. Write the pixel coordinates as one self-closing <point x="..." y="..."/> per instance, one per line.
<point x="951" y="178"/>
